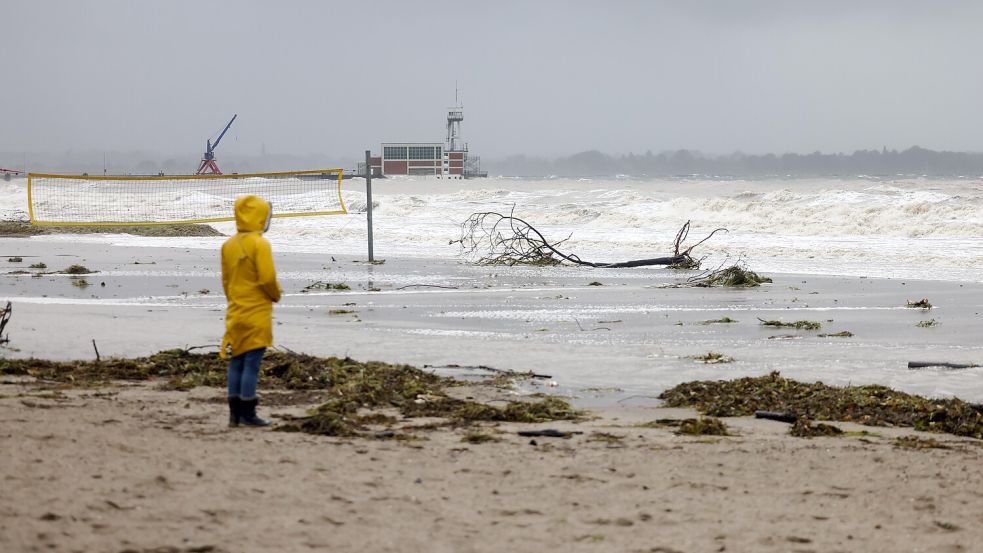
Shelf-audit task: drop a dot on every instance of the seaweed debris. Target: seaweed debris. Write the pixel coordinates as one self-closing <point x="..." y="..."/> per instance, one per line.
<point x="545" y="410"/>
<point x="319" y="285"/>
<point x="686" y="264"/>
<point x="841" y="334"/>
<point x="735" y="276"/>
<point x="479" y="438"/>
<point x="176" y="366"/>
<point x="805" y="428"/>
<point x="801" y="325"/>
<point x="871" y="405"/>
<point x="712" y="357"/>
<point x="927" y="324"/>
<point x="77" y="270"/>
<point x="717" y="321"/>
<point x="25" y="228"/>
<point x="339" y="417"/>
<point x="914" y="442"/>
<point x="356" y="390"/>
<point x="703" y="426"/>
<point x="605" y="437"/>
<point x="920" y="304"/>
<point x="39" y="265"/>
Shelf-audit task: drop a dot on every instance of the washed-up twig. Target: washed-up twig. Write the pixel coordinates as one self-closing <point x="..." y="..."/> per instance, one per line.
<point x="582" y="329"/>
<point x="427" y="286"/>
<point x="97" y="350"/>
<point x="188" y="349"/>
<point x="636" y="396"/>
<point x="292" y="352"/>
<point x="547" y="433"/>
<point x="507" y="372"/>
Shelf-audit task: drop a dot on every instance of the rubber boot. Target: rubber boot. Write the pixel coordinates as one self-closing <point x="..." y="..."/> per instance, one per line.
<point x="234" y="408"/>
<point x="247" y="413"/>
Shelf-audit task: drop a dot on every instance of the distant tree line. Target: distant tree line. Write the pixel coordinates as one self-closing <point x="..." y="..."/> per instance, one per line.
<point x="883" y="162"/>
<point x="139" y="162"/>
<point x="914" y="160"/>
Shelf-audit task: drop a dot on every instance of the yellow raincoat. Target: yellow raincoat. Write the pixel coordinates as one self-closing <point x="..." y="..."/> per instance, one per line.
<point x="249" y="280"/>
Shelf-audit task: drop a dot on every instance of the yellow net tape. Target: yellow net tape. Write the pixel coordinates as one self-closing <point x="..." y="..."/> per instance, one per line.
<point x="169" y="200"/>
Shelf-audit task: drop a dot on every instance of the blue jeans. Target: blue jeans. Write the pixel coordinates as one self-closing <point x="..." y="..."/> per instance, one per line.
<point x="244" y="374"/>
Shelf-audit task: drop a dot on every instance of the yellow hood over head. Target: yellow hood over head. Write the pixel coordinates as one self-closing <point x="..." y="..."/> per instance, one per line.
<point x="252" y="213"/>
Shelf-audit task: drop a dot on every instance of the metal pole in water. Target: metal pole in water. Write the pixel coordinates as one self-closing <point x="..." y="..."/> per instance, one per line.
<point x="368" y="197"/>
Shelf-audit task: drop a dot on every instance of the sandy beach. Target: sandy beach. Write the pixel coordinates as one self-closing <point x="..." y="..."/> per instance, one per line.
<point x="135" y="468"/>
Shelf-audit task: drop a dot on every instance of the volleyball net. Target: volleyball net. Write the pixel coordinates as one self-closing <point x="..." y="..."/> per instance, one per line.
<point x="168" y="200"/>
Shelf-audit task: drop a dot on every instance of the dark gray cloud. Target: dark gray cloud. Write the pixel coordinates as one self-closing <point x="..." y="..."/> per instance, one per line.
<point x="542" y="78"/>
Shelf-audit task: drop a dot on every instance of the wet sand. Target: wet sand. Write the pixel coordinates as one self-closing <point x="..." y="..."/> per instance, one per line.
<point x="626" y="333"/>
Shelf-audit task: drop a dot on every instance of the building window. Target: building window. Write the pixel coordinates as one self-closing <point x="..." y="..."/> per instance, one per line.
<point x="394" y="152"/>
<point x="422" y="152"/>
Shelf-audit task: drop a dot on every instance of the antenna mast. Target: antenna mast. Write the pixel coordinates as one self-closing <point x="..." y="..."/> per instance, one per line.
<point x="454" y="117"/>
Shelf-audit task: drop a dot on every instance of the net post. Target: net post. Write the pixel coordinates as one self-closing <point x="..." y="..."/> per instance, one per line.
<point x="368" y="197"/>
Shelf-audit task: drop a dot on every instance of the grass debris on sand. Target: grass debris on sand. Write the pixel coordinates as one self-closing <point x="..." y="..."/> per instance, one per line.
<point x="77" y="270"/>
<point x="802" y="325"/>
<point x="805" y="428"/>
<point x="357" y="391"/>
<point x="723" y="320"/>
<point x="871" y="405"/>
<point x="703" y="426"/>
<point x="13" y="229"/>
<point x="711" y="358"/>
<point x="319" y="285"/>
<point x="914" y="442"/>
<point x="735" y="276"/>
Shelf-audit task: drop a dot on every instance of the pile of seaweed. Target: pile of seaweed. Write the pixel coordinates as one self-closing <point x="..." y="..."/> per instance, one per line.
<point x="357" y="391"/>
<point x="24" y="228"/>
<point x="736" y="276"/>
<point x="870" y="405"/>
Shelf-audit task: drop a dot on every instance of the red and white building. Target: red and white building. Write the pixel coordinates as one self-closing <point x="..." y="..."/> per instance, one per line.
<point x="449" y="159"/>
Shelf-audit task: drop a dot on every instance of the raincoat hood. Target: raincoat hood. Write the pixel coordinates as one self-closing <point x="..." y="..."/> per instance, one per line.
<point x="252" y="214"/>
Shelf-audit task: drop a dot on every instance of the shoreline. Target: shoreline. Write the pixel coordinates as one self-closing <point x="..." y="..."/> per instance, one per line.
<point x="629" y="332"/>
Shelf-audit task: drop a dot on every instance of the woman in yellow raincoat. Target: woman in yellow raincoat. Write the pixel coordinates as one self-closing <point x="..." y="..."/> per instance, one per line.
<point x="249" y="280"/>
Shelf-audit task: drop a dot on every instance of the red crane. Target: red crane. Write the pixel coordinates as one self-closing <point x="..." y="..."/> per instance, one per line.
<point x="208" y="165"/>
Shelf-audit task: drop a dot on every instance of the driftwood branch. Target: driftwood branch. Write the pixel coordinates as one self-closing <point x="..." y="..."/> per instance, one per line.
<point x="941" y="364"/>
<point x="492" y="238"/>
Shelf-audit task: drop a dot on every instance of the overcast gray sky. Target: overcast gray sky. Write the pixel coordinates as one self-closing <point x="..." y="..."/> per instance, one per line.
<point x="537" y="77"/>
